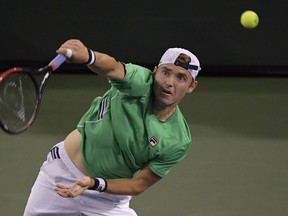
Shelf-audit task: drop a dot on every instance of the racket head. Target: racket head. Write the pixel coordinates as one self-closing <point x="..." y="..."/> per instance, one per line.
<point x="19" y="100"/>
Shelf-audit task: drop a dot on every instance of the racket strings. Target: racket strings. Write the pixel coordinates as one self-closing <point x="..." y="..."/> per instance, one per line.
<point x="14" y="103"/>
<point x="18" y="97"/>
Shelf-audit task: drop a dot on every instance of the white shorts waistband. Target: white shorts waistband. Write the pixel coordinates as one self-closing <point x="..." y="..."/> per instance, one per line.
<point x="66" y="160"/>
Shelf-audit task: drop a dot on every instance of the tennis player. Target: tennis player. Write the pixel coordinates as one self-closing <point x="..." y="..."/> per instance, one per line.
<point x="128" y="140"/>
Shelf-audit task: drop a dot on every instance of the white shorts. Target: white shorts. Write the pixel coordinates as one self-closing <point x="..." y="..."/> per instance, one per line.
<point x="59" y="169"/>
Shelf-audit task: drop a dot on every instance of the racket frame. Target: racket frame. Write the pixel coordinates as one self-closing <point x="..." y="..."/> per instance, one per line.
<point x="47" y="70"/>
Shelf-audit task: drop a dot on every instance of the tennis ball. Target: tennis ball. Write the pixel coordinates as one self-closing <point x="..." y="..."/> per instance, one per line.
<point x="249" y="19"/>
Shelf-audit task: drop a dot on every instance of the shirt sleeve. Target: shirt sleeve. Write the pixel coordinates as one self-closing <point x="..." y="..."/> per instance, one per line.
<point x="163" y="164"/>
<point x="137" y="80"/>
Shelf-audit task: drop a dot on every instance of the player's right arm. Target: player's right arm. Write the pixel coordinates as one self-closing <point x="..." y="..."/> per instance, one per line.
<point x="104" y="64"/>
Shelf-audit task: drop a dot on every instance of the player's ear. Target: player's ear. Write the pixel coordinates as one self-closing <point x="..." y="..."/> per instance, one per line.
<point x="155" y="69"/>
<point x="192" y="86"/>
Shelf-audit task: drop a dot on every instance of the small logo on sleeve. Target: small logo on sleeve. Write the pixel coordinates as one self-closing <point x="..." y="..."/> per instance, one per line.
<point x="153" y="141"/>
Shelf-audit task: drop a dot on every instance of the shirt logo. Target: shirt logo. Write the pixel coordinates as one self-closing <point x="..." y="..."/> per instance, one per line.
<point x="153" y="141"/>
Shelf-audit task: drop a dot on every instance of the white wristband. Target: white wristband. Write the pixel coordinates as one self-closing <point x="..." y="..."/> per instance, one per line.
<point x="102" y="185"/>
<point x="99" y="185"/>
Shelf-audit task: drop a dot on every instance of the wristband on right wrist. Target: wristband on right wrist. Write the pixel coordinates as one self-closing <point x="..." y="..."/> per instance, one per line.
<point x="92" y="57"/>
<point x="99" y="185"/>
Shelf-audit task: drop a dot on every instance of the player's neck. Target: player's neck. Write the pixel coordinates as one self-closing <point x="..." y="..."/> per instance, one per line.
<point x="162" y="112"/>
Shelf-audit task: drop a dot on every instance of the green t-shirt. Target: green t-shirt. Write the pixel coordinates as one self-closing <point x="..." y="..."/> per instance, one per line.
<point x="120" y="134"/>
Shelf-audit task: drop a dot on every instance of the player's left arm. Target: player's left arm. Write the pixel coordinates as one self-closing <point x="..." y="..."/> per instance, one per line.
<point x="134" y="186"/>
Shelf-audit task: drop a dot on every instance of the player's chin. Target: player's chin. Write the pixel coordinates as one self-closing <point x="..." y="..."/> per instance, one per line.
<point x="166" y="101"/>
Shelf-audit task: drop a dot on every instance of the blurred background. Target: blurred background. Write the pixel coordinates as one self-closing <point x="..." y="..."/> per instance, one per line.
<point x="237" y="163"/>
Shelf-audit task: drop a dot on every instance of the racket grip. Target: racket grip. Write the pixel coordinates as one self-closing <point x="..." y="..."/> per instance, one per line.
<point x="57" y="61"/>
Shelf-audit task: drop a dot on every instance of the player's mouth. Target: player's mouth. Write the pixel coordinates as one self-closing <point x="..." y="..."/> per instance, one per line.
<point x="166" y="92"/>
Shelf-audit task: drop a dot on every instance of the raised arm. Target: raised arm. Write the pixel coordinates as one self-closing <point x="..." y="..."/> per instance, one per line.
<point x="103" y="65"/>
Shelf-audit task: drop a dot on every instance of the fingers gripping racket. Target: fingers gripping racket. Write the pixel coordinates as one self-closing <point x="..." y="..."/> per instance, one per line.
<point x="20" y="94"/>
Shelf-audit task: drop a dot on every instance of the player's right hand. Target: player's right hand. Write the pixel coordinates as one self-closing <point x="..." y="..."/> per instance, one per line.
<point x="80" y="53"/>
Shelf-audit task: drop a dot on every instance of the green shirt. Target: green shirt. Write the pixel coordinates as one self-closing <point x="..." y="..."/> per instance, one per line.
<point x="120" y="134"/>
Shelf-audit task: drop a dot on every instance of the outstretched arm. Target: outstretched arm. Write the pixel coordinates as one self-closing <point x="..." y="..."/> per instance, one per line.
<point x="103" y="65"/>
<point x="133" y="186"/>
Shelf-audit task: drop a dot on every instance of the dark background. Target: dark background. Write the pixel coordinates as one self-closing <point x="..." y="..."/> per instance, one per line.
<point x="140" y="31"/>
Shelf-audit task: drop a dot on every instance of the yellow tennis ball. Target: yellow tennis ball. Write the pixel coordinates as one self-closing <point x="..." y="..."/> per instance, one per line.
<point x="249" y="19"/>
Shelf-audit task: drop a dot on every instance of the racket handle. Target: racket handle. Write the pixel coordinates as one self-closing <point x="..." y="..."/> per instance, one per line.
<point x="57" y="61"/>
<point x="60" y="59"/>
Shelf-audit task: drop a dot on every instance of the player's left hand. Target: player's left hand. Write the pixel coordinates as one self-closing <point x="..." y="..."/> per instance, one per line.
<point x="75" y="190"/>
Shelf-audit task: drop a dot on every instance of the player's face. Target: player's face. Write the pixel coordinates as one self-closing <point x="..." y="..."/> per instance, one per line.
<point x="171" y="84"/>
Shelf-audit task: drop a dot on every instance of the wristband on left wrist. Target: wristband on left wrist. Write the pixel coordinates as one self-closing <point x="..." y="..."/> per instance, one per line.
<point x="100" y="184"/>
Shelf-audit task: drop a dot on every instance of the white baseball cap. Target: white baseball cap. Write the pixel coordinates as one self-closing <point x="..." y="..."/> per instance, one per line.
<point x="170" y="56"/>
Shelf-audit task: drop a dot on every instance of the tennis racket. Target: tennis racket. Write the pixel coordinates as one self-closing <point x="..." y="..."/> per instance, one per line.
<point x="20" y="94"/>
